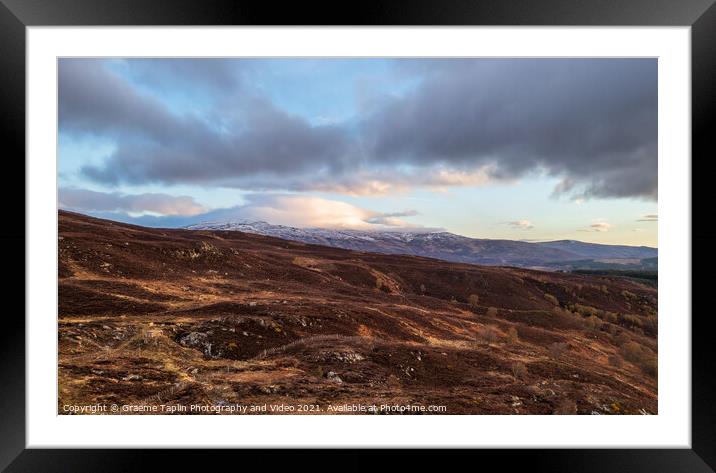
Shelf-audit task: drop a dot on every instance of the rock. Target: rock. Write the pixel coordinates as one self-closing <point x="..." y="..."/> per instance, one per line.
<point x="333" y="376"/>
<point x="270" y="389"/>
<point x="193" y="339"/>
<point x="345" y="357"/>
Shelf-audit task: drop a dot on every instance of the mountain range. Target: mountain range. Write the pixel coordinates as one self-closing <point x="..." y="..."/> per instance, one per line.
<point x="561" y="254"/>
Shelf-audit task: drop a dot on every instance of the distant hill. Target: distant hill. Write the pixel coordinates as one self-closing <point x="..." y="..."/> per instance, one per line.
<point x="599" y="251"/>
<point x="615" y="265"/>
<point x="451" y="247"/>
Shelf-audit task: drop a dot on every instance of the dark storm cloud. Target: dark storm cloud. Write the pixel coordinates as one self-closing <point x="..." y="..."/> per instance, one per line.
<point x="94" y="100"/>
<point x="156" y="145"/>
<point x="592" y="123"/>
<point x="271" y="145"/>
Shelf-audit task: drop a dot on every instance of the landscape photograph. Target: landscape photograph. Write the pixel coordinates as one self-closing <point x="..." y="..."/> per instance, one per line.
<point x="357" y="236"/>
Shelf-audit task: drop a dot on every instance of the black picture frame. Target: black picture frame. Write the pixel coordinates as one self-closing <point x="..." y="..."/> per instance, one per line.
<point x="16" y="15"/>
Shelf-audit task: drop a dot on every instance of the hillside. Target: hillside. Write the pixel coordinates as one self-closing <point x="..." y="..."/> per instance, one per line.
<point x="212" y="317"/>
<point x="563" y="254"/>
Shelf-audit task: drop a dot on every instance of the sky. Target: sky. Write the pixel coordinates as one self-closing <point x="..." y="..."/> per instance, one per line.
<point x="519" y="148"/>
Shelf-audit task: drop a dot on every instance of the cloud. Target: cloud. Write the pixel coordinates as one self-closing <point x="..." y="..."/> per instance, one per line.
<point x="564" y="186"/>
<point x="391" y="219"/>
<point x="190" y="73"/>
<point x="649" y="218"/>
<point x="521" y="224"/>
<point x="600" y="227"/>
<point x="589" y="122"/>
<point x="280" y="209"/>
<point x="137" y="204"/>
<point x="155" y="145"/>
<point x="592" y="122"/>
<point x="304" y="211"/>
<point x="390" y="181"/>
<point x="307" y="211"/>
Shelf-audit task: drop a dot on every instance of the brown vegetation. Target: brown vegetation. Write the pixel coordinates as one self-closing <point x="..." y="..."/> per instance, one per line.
<point x="158" y="316"/>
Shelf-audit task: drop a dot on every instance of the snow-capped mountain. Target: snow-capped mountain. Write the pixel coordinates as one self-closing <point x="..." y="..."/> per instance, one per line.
<point x="442" y="245"/>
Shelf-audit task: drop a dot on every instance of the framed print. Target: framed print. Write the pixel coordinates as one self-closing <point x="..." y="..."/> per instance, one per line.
<point x="460" y="226"/>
